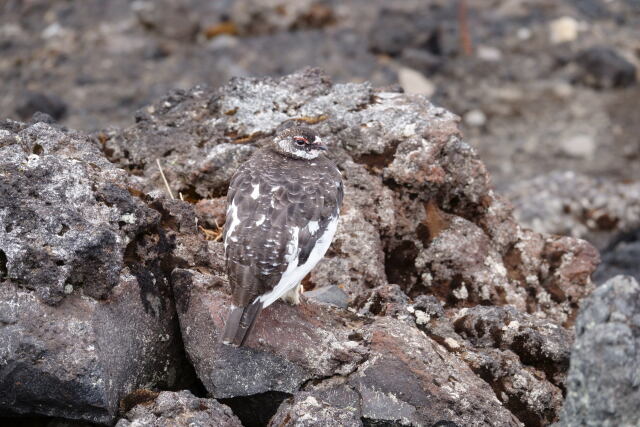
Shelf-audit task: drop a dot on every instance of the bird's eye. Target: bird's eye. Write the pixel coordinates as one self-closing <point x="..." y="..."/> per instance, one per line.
<point x="299" y="141"/>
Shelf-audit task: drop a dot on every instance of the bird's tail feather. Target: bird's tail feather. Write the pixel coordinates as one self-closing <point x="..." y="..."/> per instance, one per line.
<point x="239" y="324"/>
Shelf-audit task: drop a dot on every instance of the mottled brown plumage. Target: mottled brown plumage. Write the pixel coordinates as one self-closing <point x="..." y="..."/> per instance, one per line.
<point x="283" y="206"/>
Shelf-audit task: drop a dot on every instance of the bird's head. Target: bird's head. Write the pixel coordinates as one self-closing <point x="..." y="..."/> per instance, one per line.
<point x="298" y="142"/>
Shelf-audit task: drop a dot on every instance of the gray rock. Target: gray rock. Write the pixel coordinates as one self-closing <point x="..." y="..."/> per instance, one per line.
<point x="577" y="205"/>
<point x="330" y="295"/>
<point x="475" y="118"/>
<point x="522" y="358"/>
<point x="581" y="146"/>
<point x="422" y="384"/>
<point x="36" y="102"/>
<point x="602" y="385"/>
<point x="68" y="215"/>
<point x="396" y="29"/>
<point x="327" y="404"/>
<point x="414" y="82"/>
<point x="603" y="67"/>
<point x="174" y="19"/>
<point x="621" y="257"/>
<point x="356" y="260"/>
<point x="538" y="343"/>
<point x="85" y="309"/>
<point x="419" y="218"/>
<point x="179" y="409"/>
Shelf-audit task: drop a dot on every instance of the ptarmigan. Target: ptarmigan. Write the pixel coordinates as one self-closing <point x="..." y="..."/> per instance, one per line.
<point x="283" y="207"/>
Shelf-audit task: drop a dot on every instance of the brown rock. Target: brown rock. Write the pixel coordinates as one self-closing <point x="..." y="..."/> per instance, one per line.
<point x="571" y="263"/>
<point x="410" y="379"/>
<point x="522" y="358"/>
<point x="420" y="220"/>
<point x="179" y="409"/>
<point x="272" y="360"/>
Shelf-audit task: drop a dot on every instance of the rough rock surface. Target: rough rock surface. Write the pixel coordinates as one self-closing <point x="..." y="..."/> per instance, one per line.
<point x="522" y="358"/>
<point x="398" y="374"/>
<point x="430" y="192"/>
<point x="602" y="385"/>
<point x="454" y="313"/>
<point x="574" y="204"/>
<point x="179" y="409"/>
<point x="419" y="212"/>
<point x="331" y="403"/>
<point x="86" y="313"/>
<point x="101" y="60"/>
<point x="620" y="257"/>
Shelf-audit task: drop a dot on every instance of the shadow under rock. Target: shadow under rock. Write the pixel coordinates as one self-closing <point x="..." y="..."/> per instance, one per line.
<point x="256" y="410"/>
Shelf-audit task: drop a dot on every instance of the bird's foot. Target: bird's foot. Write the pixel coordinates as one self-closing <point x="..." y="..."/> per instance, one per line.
<point x="293" y="297"/>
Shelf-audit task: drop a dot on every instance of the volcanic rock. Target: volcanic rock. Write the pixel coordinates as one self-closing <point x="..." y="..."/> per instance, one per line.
<point x="32" y="103"/>
<point x="179" y="409"/>
<point x="603" y="67"/>
<point x="420" y="219"/>
<point x="602" y="385"/>
<point x="573" y="204"/>
<point x="621" y="257"/>
<point x="422" y="245"/>
<point x="86" y="313"/>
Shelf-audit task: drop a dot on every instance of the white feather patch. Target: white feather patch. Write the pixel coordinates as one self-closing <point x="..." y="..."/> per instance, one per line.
<point x="309" y="155"/>
<point x="294" y="272"/>
<point x="313" y="226"/>
<point x="256" y="191"/>
<point x="260" y="220"/>
<point x="288" y="148"/>
<point x="233" y="221"/>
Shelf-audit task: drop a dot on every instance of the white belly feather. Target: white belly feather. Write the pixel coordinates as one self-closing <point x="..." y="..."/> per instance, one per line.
<point x="294" y="273"/>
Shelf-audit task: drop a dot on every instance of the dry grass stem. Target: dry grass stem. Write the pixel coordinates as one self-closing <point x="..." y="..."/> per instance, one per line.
<point x="215" y="235"/>
<point x="164" y="178"/>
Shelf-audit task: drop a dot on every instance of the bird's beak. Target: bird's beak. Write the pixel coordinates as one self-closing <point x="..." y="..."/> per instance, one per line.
<point x="319" y="145"/>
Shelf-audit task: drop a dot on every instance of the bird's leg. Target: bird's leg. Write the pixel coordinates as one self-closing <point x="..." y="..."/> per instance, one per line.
<point x="293" y="296"/>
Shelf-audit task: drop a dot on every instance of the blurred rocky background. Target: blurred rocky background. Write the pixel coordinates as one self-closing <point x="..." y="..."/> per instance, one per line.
<point x="546" y="93"/>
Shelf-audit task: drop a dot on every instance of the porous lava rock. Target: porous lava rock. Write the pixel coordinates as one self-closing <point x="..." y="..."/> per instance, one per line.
<point x="602" y="385"/>
<point x="86" y="313"/>
<point x="577" y="205"/>
<point x="178" y="409"/>
<point x="420" y="219"/>
<point x="414" y="189"/>
<point x="455" y="314"/>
